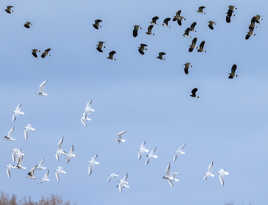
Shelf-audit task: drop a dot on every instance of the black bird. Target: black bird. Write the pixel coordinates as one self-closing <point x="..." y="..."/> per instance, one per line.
<point x="211" y="24"/>
<point x="9" y="9"/>
<point x="192" y="27"/>
<point x="201" y="9"/>
<point x="201" y="47"/>
<point x="149" y="29"/>
<point x="45" y="53"/>
<point x="165" y="22"/>
<point x="251" y="26"/>
<point x="187" y="32"/>
<point x="154" y="19"/>
<point x="233" y="70"/>
<point x="100" y="46"/>
<point x="142" y="48"/>
<point x="34" y="52"/>
<point x="28" y="24"/>
<point x="186" y="67"/>
<point x="111" y="55"/>
<point x="193" y="44"/>
<point x="249" y="34"/>
<point x="96" y="24"/>
<point x="161" y="55"/>
<point x="230" y="13"/>
<point x="136" y="30"/>
<point x="178" y="14"/>
<point x="194" y="91"/>
<point x="180" y="19"/>
<point x="256" y="19"/>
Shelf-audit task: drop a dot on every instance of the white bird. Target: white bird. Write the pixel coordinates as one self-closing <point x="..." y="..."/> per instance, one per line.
<point x="59" y="171"/>
<point x="9" y="137"/>
<point x="179" y="151"/>
<point x="209" y="172"/>
<point x="111" y="177"/>
<point x="45" y="178"/>
<point x="221" y="174"/>
<point x="19" y="164"/>
<point x="40" y="165"/>
<point x="92" y="164"/>
<point x="31" y="172"/>
<point x="41" y="91"/>
<point x="84" y="119"/>
<point x="142" y="150"/>
<point x="60" y="151"/>
<point x="151" y="155"/>
<point x="8" y="171"/>
<point x="170" y="177"/>
<point x="16" y="154"/>
<point x="123" y="183"/>
<point x="88" y="108"/>
<point x="69" y="155"/>
<point x="18" y="111"/>
<point x="26" y="131"/>
<point x="120" y="135"/>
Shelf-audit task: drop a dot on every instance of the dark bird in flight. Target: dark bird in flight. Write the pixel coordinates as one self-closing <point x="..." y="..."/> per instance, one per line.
<point x="161" y="55"/>
<point x="9" y="9"/>
<point x="149" y="29"/>
<point x="165" y="22"/>
<point x="192" y="27"/>
<point x="230" y="13"/>
<point x="136" y="30"/>
<point x="100" y="46"/>
<point x="96" y="24"/>
<point x="34" y="52"/>
<point x="201" y="47"/>
<point x="256" y="19"/>
<point x="211" y="24"/>
<point x="249" y="34"/>
<point x="186" y="67"/>
<point x="251" y="26"/>
<point x="233" y="70"/>
<point x="111" y="55"/>
<point x="154" y="19"/>
<point x="193" y="93"/>
<point x="201" y="9"/>
<point x="193" y="44"/>
<point x="45" y="53"/>
<point x="187" y="32"/>
<point x="28" y="24"/>
<point x="142" y="48"/>
<point x="178" y="14"/>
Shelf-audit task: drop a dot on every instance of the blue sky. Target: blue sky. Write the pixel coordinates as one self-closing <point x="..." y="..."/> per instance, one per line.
<point x="147" y="97"/>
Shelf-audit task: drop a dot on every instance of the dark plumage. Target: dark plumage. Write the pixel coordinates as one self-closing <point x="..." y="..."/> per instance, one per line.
<point x="201" y="47"/>
<point x="193" y="44"/>
<point x="192" y="27"/>
<point x="45" y="53"/>
<point x="149" y="29"/>
<point x="154" y="19"/>
<point x="186" y="67"/>
<point x="136" y="30"/>
<point x="96" y="24"/>
<point x="233" y="70"/>
<point x="111" y="55"/>
<point x="187" y="32"/>
<point x="249" y="34"/>
<point x="100" y="46"/>
<point x="28" y="24"/>
<point x="230" y="13"/>
<point x="201" y="9"/>
<point x="9" y="9"/>
<point x="211" y="24"/>
<point x="256" y="19"/>
<point x="142" y="48"/>
<point x="193" y="93"/>
<point x="165" y="22"/>
<point x="34" y="52"/>
<point x="161" y="55"/>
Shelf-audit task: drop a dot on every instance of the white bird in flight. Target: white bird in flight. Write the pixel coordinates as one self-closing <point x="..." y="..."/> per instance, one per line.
<point x="92" y="163"/>
<point x="8" y="137"/>
<point x="41" y="91"/>
<point x="60" y="151"/>
<point x="209" y="172"/>
<point x="27" y="129"/>
<point x="88" y="108"/>
<point x="120" y="135"/>
<point x="59" y="171"/>
<point x="142" y="150"/>
<point x="84" y="119"/>
<point x="69" y="155"/>
<point x="221" y="174"/>
<point x="45" y="178"/>
<point x="170" y="177"/>
<point x="16" y="154"/>
<point x="31" y="172"/>
<point x="17" y="112"/>
<point x="40" y="165"/>
<point x="112" y="176"/>
<point x="179" y="151"/>
<point x="151" y="155"/>
<point x="123" y="183"/>
<point x="8" y="171"/>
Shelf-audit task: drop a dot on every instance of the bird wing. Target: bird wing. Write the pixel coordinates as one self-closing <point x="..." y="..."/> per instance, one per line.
<point x="60" y="141"/>
<point x="210" y="166"/>
<point x="11" y="131"/>
<point x="25" y="134"/>
<point x="221" y="180"/>
<point x="168" y="169"/>
<point x="42" y="85"/>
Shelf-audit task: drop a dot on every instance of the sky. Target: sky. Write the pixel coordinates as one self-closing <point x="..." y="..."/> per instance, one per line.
<point x="141" y="94"/>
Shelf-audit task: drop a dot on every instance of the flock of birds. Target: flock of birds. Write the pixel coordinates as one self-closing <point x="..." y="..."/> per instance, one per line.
<point x="17" y="154"/>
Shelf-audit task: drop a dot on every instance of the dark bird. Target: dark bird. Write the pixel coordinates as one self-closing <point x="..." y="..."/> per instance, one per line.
<point x="45" y="53"/>
<point x="211" y="24"/>
<point x="149" y="29"/>
<point x="165" y="22"/>
<point x="251" y="26"/>
<point x="161" y="55"/>
<point x="233" y="70"/>
<point x="192" y="27"/>
<point x="201" y="47"/>
<point x="186" y="67"/>
<point x="111" y="55"/>
<point x="256" y="19"/>
<point x="34" y="52"/>
<point x="180" y="19"/>
<point x="201" y="9"/>
<point x="154" y="19"/>
<point x="100" y="46"/>
<point x="187" y="32"/>
<point x="136" y="30"/>
<point x="9" y="9"/>
<point x="194" y="91"/>
<point x="193" y="44"/>
<point x="142" y="48"/>
<point x="230" y="13"/>
<point x="178" y="14"/>
<point x="249" y="34"/>
<point x="28" y="24"/>
<point x="96" y="24"/>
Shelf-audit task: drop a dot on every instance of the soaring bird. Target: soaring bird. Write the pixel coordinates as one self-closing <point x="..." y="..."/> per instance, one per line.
<point x="211" y="24"/>
<point x="161" y="55"/>
<point x="230" y="12"/>
<point x="41" y="91"/>
<point x="92" y="163"/>
<point x="8" y="137"/>
<point x="209" y="172"/>
<point x="193" y="93"/>
<point x="170" y="177"/>
<point x="151" y="155"/>
<point x="111" y="55"/>
<point x="34" y="52"/>
<point x="69" y="155"/>
<point x="142" y="48"/>
<point x="123" y="183"/>
<point x="178" y="14"/>
<point x="59" y="170"/>
<point x="154" y="20"/>
<point x="112" y="176"/>
<point x="186" y="67"/>
<point x="19" y="164"/>
<point x="166" y="20"/>
<point x="96" y="24"/>
<point x="88" y="108"/>
<point x="31" y="172"/>
<point x="45" y="53"/>
<point x="17" y="112"/>
<point x="27" y="129"/>
<point x="193" y="25"/>
<point x="233" y="70"/>
<point x="187" y="32"/>
<point x="149" y="29"/>
<point x="28" y="24"/>
<point x="201" y="47"/>
<point x="100" y="46"/>
<point x="142" y="150"/>
<point x="179" y="151"/>
<point x="16" y="154"/>
<point x="84" y="119"/>
<point x="136" y="30"/>
<point x="221" y="174"/>
<point x="201" y="9"/>
<point x="60" y="150"/>
<point x="193" y="44"/>
<point x="9" y="9"/>
<point x="120" y="135"/>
